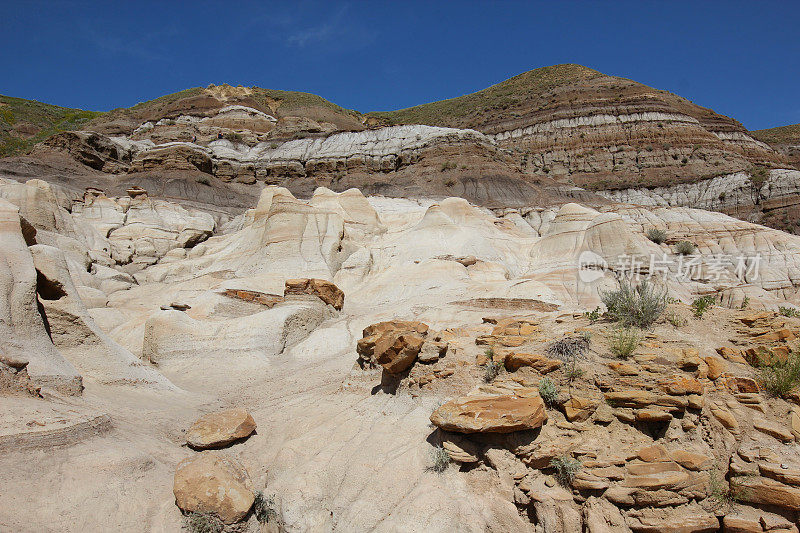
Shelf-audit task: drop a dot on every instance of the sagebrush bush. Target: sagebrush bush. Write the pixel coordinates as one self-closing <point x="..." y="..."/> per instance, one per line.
<point x="685" y="248"/>
<point x="658" y="236"/>
<point x="492" y="370"/>
<point x="548" y="391"/>
<point x="624" y="341"/>
<point x="565" y="469"/>
<point x="639" y="305"/>
<point x="440" y="459"/>
<point x="780" y="378"/>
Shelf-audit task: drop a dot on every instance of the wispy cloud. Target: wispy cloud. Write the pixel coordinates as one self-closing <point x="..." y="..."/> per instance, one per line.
<point x="324" y="31"/>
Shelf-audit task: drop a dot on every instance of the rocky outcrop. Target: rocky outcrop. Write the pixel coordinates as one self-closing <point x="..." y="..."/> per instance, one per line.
<point x="213" y="483"/>
<point x="219" y="429"/>
<point x="393" y="345"/>
<point x="485" y="413"/>
<point x="324" y="290"/>
<point x="24" y="340"/>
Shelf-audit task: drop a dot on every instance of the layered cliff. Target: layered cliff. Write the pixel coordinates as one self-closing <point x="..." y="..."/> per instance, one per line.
<point x="599" y="131"/>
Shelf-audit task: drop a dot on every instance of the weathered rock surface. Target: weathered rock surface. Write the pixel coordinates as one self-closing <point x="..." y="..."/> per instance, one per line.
<point x="393" y="345"/>
<point x="213" y="483"/>
<point x="218" y="429"/>
<point x="324" y="290"/>
<point x="483" y="413"/>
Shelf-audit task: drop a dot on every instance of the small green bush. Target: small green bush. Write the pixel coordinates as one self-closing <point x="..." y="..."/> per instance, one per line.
<point x="781" y="378"/>
<point x="658" y="236"/>
<point x="745" y="302"/>
<point x="440" y="459"/>
<point x="685" y="248"/>
<point x="639" y="305"/>
<point x="548" y="391"/>
<point x="450" y="183"/>
<point x="594" y="315"/>
<point x="624" y="342"/>
<point x="702" y="304"/>
<point x="789" y="311"/>
<point x="676" y="320"/>
<point x="202" y="180"/>
<point x="565" y="469"/>
<point x="447" y="165"/>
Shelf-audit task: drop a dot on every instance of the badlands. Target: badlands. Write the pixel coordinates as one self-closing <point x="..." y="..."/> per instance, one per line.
<point x="234" y="309"/>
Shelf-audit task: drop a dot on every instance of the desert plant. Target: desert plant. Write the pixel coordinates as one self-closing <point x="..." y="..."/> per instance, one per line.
<point x="447" y="165"/>
<point x="548" y="391"/>
<point x="745" y="302"/>
<point x="565" y="469"/>
<point x="203" y="523"/>
<point x="722" y="493"/>
<point x="450" y="183"/>
<point x="702" y="304"/>
<point x="676" y="320"/>
<point x="570" y="350"/>
<point x="658" y="236"/>
<point x="491" y="371"/>
<point x="440" y="459"/>
<point x="624" y="341"/>
<point x="639" y="305"/>
<point x="685" y="248"/>
<point x="202" y="180"/>
<point x="789" y="311"/>
<point x="593" y="315"/>
<point x="779" y="378"/>
<point x="264" y="507"/>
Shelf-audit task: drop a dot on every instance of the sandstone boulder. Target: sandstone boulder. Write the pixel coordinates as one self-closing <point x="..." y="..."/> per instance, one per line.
<point x="578" y="409"/>
<point x="766" y="491"/>
<point x="484" y="413"/>
<point x="394" y="344"/>
<point x="218" y="429"/>
<point x="324" y="290"/>
<point x="540" y="363"/>
<point x="213" y="483"/>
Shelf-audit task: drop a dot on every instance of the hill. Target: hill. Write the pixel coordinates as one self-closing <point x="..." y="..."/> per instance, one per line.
<point x="596" y="130"/>
<point x="23" y="123"/>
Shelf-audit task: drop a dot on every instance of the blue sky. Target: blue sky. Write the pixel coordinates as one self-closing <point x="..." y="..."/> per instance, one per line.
<point x="741" y="59"/>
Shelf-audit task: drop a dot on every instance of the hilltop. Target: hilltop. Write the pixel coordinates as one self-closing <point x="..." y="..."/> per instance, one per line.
<point x="23" y="123"/>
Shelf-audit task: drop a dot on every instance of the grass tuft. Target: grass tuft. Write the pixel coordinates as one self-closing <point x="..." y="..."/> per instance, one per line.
<point x="780" y="378"/>
<point x="624" y="342"/>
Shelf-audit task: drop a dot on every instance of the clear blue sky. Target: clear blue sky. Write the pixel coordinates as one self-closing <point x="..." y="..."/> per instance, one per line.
<point x="741" y="59"/>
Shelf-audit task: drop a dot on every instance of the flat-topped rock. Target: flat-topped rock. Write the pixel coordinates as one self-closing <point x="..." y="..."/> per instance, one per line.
<point x="522" y="410"/>
<point x="218" y="429"/>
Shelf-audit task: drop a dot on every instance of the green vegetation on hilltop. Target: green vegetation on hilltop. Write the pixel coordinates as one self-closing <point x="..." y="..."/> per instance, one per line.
<point x="780" y="135"/>
<point x="294" y="100"/>
<point x="509" y="93"/>
<point x="45" y="120"/>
